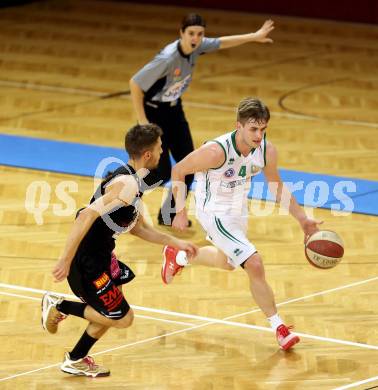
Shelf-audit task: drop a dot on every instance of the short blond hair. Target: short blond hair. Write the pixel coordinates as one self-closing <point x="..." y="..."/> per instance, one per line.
<point x="252" y="108"/>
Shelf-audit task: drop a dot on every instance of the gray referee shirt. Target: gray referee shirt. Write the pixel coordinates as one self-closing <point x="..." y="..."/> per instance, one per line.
<point x="168" y="75"/>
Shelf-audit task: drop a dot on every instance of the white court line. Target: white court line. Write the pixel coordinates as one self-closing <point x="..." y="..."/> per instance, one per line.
<point x="163" y="320"/>
<point x="355" y="384"/>
<point x="220" y="107"/>
<point x="29" y="372"/>
<point x="72" y="296"/>
<point x="107" y="350"/>
<point x="120" y="347"/>
<point x="225" y="321"/>
<point x="20" y="296"/>
<point x="311" y="295"/>
<point x="34" y="290"/>
<point x="172" y="313"/>
<point x="190" y="328"/>
<point x="209" y="321"/>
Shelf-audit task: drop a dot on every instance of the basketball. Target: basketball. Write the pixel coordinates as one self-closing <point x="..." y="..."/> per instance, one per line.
<point x="324" y="249"/>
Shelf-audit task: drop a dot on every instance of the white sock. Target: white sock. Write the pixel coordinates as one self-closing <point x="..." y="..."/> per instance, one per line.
<point x="181" y="258"/>
<point x="275" y="321"/>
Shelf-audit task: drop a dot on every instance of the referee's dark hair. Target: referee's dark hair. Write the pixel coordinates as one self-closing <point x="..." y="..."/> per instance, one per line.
<point x="140" y="138"/>
<point x="192" y="20"/>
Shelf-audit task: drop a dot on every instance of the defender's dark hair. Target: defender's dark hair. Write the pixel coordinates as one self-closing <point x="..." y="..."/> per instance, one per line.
<point x="140" y="137"/>
<point x="252" y="108"/>
<point x="192" y="20"/>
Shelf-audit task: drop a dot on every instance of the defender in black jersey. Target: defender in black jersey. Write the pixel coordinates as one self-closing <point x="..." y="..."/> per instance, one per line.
<point x="94" y="273"/>
<point x="156" y="91"/>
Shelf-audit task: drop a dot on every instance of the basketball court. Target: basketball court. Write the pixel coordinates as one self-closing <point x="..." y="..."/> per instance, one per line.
<point x="65" y="105"/>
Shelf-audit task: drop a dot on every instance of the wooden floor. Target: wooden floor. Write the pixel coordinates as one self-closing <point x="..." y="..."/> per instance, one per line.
<point x="319" y="79"/>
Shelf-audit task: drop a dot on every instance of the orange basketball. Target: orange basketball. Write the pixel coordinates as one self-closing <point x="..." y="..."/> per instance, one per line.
<point x="324" y="249"/>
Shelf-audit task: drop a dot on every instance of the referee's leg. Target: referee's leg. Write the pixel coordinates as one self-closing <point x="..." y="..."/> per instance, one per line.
<point x="162" y="173"/>
<point x="180" y="144"/>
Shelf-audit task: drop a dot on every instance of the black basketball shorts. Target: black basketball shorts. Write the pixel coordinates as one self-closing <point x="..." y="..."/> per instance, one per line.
<point x="99" y="287"/>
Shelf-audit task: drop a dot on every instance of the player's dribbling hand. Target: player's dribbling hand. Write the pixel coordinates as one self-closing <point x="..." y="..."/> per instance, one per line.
<point x="310" y="226"/>
<point x="61" y="270"/>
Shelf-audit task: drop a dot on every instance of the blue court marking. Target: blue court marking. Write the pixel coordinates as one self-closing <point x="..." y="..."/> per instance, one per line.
<point x="56" y="156"/>
<point x="317" y="190"/>
<point x="324" y="191"/>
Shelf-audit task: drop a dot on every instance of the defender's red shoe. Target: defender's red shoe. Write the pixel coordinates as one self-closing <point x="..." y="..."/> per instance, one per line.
<point x="285" y="339"/>
<point x="169" y="268"/>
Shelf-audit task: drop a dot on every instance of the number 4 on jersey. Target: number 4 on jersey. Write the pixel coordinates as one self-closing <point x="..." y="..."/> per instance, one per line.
<point x="242" y="171"/>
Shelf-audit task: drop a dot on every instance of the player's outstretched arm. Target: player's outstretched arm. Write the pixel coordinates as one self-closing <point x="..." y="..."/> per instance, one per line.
<point x="148" y="233"/>
<point x="260" y="36"/>
<point x="210" y="155"/>
<point x="283" y="195"/>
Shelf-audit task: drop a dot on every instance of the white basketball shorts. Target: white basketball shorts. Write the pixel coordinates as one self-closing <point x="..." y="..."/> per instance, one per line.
<point x="229" y="234"/>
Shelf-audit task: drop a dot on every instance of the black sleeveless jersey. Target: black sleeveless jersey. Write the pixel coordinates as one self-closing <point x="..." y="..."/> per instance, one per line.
<point x="100" y="239"/>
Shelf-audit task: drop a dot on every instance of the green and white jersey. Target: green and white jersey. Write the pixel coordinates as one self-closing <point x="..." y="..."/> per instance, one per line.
<point x="224" y="190"/>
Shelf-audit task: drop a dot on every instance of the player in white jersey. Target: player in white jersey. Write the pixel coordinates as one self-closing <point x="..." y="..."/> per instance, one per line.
<point x="224" y="190"/>
<point x="156" y="92"/>
<point x="223" y="169"/>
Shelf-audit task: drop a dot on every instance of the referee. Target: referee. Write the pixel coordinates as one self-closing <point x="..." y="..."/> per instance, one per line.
<point x="156" y="91"/>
